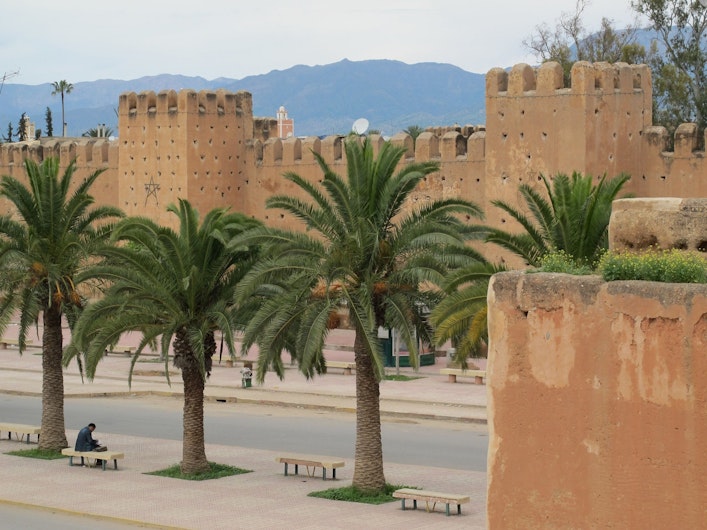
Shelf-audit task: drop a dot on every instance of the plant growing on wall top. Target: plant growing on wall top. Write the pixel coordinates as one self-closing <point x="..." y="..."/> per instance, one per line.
<point x="672" y="266"/>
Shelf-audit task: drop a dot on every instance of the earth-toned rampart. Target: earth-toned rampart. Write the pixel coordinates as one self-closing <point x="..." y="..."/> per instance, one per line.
<point x="207" y="146"/>
<point x="597" y="390"/>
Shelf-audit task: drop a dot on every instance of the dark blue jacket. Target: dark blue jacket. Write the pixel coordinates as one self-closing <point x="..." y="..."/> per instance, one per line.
<point x="85" y="441"/>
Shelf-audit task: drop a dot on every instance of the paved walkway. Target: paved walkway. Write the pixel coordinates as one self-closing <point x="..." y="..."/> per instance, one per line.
<point x="262" y="499"/>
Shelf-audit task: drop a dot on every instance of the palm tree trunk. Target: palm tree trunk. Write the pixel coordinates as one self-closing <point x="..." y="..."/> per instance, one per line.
<point x="63" y="120"/>
<point x="193" y="450"/>
<point x="53" y="430"/>
<point x="368" y="464"/>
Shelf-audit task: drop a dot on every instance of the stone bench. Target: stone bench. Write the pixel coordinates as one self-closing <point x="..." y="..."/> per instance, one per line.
<point x="103" y="456"/>
<point x="431" y="497"/>
<point x="20" y="430"/>
<point x="325" y="462"/>
<point x="453" y="373"/>
<point x="120" y="348"/>
<point x="346" y="366"/>
<point x="6" y="343"/>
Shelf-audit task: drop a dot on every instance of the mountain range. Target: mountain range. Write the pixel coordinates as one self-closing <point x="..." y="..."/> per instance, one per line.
<point x="322" y="100"/>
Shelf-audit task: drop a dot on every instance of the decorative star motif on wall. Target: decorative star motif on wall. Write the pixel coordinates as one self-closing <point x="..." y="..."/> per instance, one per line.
<point x="151" y="188"/>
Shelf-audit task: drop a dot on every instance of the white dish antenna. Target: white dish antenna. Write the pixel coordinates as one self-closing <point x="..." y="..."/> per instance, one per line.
<point x="360" y="126"/>
<point x="704" y="3"/>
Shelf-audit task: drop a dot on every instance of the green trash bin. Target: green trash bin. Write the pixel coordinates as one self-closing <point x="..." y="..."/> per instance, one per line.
<point x="387" y="350"/>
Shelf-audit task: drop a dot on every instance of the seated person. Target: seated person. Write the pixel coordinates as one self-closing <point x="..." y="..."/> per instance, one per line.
<point x="85" y="441"/>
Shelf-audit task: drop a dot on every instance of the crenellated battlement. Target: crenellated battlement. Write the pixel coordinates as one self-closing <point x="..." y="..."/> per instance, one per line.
<point x="686" y="141"/>
<point x="208" y="147"/>
<point x="95" y="153"/>
<point x="447" y="147"/>
<point x="91" y="154"/>
<point x="536" y="125"/>
<point x="586" y="79"/>
<point x="220" y="102"/>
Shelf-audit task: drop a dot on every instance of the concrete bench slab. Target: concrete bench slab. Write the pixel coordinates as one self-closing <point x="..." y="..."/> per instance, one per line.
<point x="344" y="365"/>
<point x="104" y="456"/>
<point x="20" y="431"/>
<point x="453" y="373"/>
<point x="119" y="348"/>
<point x="431" y="497"/>
<point x="325" y="462"/>
<point x="6" y="343"/>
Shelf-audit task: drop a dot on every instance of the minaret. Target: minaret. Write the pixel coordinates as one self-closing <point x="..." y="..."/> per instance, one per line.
<point x="285" y="126"/>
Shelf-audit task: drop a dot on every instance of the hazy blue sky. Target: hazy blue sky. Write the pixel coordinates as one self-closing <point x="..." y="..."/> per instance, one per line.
<point x="82" y="40"/>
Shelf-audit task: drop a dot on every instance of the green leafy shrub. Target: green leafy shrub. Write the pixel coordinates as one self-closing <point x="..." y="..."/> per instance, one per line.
<point x="561" y="261"/>
<point x="672" y="266"/>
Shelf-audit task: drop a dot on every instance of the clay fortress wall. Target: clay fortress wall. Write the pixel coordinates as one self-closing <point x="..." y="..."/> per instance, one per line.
<point x="207" y="146"/>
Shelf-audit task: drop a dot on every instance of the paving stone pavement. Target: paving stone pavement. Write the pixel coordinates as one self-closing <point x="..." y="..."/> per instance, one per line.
<point x="264" y="498"/>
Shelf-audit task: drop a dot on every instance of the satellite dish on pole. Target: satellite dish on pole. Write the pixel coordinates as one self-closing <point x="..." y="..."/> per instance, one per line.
<point x="360" y="126"/>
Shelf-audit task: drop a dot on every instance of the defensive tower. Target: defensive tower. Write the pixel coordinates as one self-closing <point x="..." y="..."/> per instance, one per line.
<point x="182" y="145"/>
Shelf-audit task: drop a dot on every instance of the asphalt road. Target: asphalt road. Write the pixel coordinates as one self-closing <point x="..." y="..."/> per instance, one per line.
<point x="405" y="441"/>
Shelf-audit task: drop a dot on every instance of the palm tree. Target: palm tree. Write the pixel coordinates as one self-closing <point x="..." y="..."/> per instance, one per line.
<point x="461" y="316"/>
<point x="62" y="87"/>
<point x="173" y="288"/>
<point x="44" y="247"/>
<point x="98" y="132"/>
<point x="363" y="250"/>
<point x="414" y="131"/>
<point x="575" y="220"/>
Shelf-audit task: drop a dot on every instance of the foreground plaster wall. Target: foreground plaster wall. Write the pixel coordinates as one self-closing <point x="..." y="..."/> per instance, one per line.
<point x="597" y="397"/>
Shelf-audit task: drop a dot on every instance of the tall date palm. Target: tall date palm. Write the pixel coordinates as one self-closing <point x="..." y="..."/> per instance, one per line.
<point x="363" y="251"/>
<point x="44" y="247"/>
<point x="62" y="87"/>
<point x="174" y="288"/>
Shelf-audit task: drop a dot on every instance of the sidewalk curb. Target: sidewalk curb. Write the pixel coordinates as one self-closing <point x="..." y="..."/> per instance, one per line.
<point x="269" y="402"/>
<point x="119" y="520"/>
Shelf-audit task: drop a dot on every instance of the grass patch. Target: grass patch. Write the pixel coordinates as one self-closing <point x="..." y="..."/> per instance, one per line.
<point x="217" y="471"/>
<point x="352" y="494"/>
<point x="42" y="454"/>
<point x="401" y="377"/>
